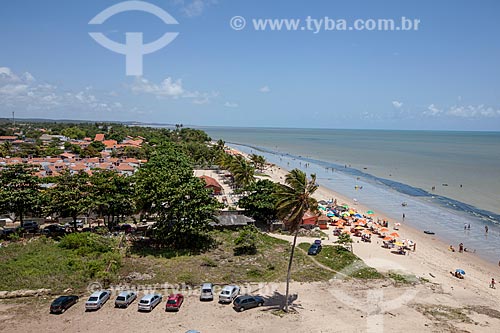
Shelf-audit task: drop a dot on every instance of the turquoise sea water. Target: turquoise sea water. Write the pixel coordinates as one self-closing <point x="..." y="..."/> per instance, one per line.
<point x="395" y="167"/>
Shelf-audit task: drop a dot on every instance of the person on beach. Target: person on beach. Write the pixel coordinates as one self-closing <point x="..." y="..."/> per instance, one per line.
<point x="492" y="284"/>
<point x="486" y="228"/>
<point x="461" y="247"/>
<point x="468" y="227"/>
<point x="451" y="248"/>
<point x="404" y="217"/>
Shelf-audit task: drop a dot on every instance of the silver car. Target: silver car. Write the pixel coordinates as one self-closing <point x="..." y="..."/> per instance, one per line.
<point x="97" y="300"/>
<point x="124" y="299"/>
<point x="148" y="302"/>
<point x="228" y="294"/>
<point x="207" y="292"/>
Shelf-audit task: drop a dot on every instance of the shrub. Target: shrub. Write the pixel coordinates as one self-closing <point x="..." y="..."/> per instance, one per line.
<point x="246" y="242"/>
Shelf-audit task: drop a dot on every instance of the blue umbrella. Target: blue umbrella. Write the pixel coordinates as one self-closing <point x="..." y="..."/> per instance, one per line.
<point x="329" y="214"/>
<point x="358" y="215"/>
<point x="461" y="271"/>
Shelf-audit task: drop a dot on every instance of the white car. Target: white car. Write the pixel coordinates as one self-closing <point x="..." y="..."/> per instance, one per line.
<point x="228" y="294"/>
<point x="124" y="299"/>
<point x="97" y="300"/>
<point x="149" y="302"/>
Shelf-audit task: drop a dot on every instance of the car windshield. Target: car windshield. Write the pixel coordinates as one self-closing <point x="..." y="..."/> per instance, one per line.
<point x="207" y="290"/>
<point x="92" y="299"/>
<point x="225" y="292"/>
<point x="144" y="301"/>
<point x="171" y="301"/>
<point x="120" y="298"/>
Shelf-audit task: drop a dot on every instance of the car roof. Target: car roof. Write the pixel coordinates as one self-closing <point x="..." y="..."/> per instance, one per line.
<point x="97" y="293"/>
<point x="207" y="285"/>
<point x="149" y="296"/>
<point x="125" y="293"/>
<point x="228" y="287"/>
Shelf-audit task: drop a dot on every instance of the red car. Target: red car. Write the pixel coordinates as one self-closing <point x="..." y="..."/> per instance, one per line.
<point x="174" y="302"/>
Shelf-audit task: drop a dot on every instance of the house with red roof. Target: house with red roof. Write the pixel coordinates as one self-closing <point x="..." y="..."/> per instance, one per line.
<point x="99" y="137"/>
<point x="212" y="184"/>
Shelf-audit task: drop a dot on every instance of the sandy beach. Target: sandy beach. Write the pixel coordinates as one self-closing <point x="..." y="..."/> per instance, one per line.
<point x="432" y="259"/>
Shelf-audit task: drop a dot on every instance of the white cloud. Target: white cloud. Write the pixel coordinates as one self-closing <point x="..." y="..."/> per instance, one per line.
<point x="25" y="93"/>
<point x="170" y="88"/>
<point x="231" y="105"/>
<point x="13" y="89"/>
<point x="192" y="8"/>
<point x="432" y="110"/>
<point x="167" y="88"/>
<point x="397" y="104"/>
<point x="463" y="111"/>
<point x="264" y="89"/>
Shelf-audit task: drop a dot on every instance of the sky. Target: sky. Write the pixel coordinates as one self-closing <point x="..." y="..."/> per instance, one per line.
<point x="445" y="75"/>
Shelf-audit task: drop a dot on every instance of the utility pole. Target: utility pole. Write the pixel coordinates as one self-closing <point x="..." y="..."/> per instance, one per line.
<point x="13" y="119"/>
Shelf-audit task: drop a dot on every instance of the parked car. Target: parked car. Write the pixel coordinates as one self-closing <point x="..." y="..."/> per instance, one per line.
<point x="63" y="303"/>
<point x="149" y="302"/>
<point x="314" y="249"/>
<point x="97" y="300"/>
<point x="124" y="299"/>
<point x="30" y="226"/>
<point x="7" y="232"/>
<point x="54" y="230"/>
<point x="242" y="303"/>
<point x="207" y="292"/>
<point x="174" y="302"/>
<point x="228" y="294"/>
<point x="79" y="224"/>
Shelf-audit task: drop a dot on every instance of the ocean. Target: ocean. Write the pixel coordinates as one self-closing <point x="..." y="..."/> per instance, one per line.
<point x="448" y="179"/>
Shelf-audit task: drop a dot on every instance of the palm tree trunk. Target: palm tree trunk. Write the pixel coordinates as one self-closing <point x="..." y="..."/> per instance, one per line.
<point x="290" y="269"/>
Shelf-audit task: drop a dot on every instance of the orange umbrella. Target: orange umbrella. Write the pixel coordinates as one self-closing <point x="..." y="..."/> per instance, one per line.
<point x="395" y="235"/>
<point x="366" y="231"/>
<point x="384" y="230"/>
<point x="387" y="238"/>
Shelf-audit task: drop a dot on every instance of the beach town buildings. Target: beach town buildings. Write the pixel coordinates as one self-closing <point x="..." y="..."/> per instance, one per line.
<point x="54" y="165"/>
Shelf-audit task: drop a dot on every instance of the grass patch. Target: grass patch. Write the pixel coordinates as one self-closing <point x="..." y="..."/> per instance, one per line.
<point x="220" y="264"/>
<point x="443" y="313"/>
<point x="402" y="278"/>
<point x="44" y="263"/>
<point x="342" y="260"/>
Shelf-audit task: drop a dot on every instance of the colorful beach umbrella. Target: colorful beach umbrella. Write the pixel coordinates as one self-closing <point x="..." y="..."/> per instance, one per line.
<point x="461" y="271"/>
<point x="399" y="244"/>
<point x="370" y="212"/>
<point x="395" y="235"/>
<point x="387" y="238"/>
<point x="384" y="230"/>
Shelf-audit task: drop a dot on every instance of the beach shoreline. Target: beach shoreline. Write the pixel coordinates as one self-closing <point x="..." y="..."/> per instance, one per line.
<point x="432" y="260"/>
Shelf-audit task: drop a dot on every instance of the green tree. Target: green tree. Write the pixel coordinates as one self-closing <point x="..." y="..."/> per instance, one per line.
<point x="70" y="195"/>
<point x="258" y="161"/>
<point x="166" y="186"/>
<point x="294" y="200"/>
<point x="111" y="195"/>
<point x="97" y="145"/>
<point x="74" y="132"/>
<point x="260" y="201"/>
<point x="345" y="240"/>
<point x="19" y="189"/>
<point x="246" y="242"/>
<point x="243" y="172"/>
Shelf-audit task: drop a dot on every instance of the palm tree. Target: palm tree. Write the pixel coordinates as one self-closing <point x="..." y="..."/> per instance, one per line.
<point x="294" y="200"/>
<point x="243" y="172"/>
<point x="259" y="162"/>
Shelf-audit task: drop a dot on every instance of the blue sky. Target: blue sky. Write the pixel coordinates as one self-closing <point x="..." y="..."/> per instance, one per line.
<point x="444" y="76"/>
